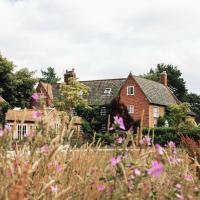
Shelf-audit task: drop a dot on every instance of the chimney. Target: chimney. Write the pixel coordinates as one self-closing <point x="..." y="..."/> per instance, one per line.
<point x="163" y="78"/>
<point x="69" y="74"/>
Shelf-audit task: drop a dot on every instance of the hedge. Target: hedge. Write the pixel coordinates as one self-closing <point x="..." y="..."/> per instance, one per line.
<point x="164" y="135"/>
<point x="161" y="135"/>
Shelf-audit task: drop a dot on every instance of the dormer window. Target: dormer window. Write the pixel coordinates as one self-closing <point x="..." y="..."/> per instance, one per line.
<point x="130" y="90"/>
<point x="107" y="91"/>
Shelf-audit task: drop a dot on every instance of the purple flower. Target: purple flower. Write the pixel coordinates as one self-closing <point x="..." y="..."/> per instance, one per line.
<point x="119" y="121"/>
<point x="114" y="161"/>
<point x="7" y="126"/>
<point x="35" y="96"/>
<point x="188" y="177"/>
<point x="178" y="186"/>
<point x="58" y="168"/>
<point x="156" y="169"/>
<point x="54" y="188"/>
<point x="101" y="187"/>
<point x="137" y="172"/>
<point x="171" y="144"/>
<point x="37" y="114"/>
<point x="45" y="148"/>
<point x="119" y="140"/>
<point x="1" y="133"/>
<point x="159" y="149"/>
<point x="146" y="141"/>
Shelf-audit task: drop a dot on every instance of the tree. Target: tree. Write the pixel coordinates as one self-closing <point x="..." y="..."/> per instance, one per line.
<point x="175" y="81"/>
<point x="16" y="88"/>
<point x="72" y="94"/>
<point x="24" y="87"/>
<point x="49" y="76"/>
<point x="194" y="101"/>
<point x="6" y="79"/>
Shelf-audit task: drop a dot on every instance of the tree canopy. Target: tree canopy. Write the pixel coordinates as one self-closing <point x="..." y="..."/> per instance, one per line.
<point x="16" y="87"/>
<point x="72" y="94"/>
<point x="49" y="76"/>
<point x="175" y="81"/>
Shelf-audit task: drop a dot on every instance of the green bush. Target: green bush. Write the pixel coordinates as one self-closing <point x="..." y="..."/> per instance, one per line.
<point x="163" y="135"/>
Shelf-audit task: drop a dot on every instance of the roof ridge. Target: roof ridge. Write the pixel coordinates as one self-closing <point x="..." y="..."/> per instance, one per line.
<point x="108" y="79"/>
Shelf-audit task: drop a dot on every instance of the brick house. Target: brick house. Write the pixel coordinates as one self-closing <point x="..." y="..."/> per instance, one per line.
<point x="23" y="122"/>
<point x="136" y="94"/>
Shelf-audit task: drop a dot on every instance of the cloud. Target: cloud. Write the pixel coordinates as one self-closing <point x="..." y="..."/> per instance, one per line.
<point x="102" y="39"/>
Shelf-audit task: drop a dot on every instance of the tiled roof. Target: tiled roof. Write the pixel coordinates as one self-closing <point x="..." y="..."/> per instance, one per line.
<point x="97" y="88"/>
<point x="155" y="92"/>
<point x="48" y="88"/>
<point x="23" y="115"/>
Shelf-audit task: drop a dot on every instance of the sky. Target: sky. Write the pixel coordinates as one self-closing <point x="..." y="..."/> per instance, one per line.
<point x="102" y="38"/>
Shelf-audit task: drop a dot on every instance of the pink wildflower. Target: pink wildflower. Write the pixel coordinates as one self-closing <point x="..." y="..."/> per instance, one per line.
<point x="171" y="144"/>
<point x="156" y="169"/>
<point x="188" y="177"/>
<point x="114" y="161"/>
<point x="1" y="133"/>
<point x="178" y="187"/>
<point x="119" y="121"/>
<point x="146" y="141"/>
<point x="7" y="126"/>
<point x="35" y="96"/>
<point x="101" y="187"/>
<point x="45" y="148"/>
<point x="54" y="188"/>
<point x="58" y="168"/>
<point x="119" y="140"/>
<point x="137" y="172"/>
<point x="37" y="114"/>
<point x="159" y="149"/>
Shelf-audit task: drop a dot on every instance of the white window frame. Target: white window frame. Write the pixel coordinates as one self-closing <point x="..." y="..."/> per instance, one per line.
<point x="156" y="112"/>
<point x="107" y="91"/>
<point x="128" y="90"/>
<point x="130" y="109"/>
<point x="103" y="111"/>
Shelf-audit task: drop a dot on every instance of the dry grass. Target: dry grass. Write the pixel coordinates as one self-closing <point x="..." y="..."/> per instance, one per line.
<point x="62" y="172"/>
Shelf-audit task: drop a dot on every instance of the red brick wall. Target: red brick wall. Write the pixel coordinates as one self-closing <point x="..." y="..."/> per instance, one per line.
<point x="138" y="100"/>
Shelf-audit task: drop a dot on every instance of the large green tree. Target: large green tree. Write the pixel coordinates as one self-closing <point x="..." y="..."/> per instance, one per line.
<point x="175" y="80"/>
<point x="16" y="87"/>
<point x="72" y="95"/>
<point x="49" y="76"/>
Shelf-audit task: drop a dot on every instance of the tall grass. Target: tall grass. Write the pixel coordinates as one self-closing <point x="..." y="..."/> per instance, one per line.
<point x="45" y="166"/>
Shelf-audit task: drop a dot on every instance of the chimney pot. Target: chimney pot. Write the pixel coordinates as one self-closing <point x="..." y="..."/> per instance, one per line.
<point x="69" y="74"/>
<point x="163" y="78"/>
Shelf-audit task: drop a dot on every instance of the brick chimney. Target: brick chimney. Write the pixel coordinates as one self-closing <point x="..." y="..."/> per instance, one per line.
<point x="69" y="74"/>
<point x="163" y="78"/>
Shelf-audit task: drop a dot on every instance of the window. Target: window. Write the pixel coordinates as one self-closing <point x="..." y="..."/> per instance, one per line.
<point x="130" y="90"/>
<point x="156" y="111"/>
<point x="107" y="91"/>
<point x="21" y="131"/>
<point x="130" y="108"/>
<point x="103" y="111"/>
<point x="73" y="112"/>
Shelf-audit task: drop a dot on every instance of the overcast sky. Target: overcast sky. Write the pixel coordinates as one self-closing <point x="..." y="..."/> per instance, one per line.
<point x="103" y="38"/>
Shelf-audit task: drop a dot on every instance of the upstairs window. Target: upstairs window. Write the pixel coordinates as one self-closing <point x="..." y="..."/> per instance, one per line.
<point x="130" y="90"/>
<point x="107" y="91"/>
<point x="130" y="109"/>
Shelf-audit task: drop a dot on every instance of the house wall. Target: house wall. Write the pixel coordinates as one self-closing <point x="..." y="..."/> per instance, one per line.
<point x="41" y="89"/>
<point x="151" y="114"/>
<point x="138" y="100"/>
